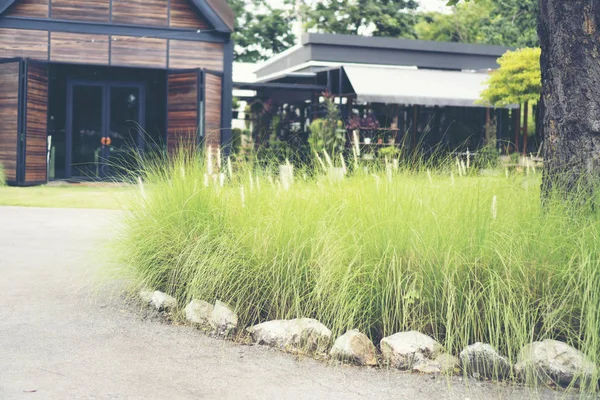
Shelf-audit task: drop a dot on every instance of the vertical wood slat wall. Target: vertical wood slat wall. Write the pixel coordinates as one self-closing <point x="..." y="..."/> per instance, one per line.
<point x="212" y="110"/>
<point x="36" y="125"/>
<point x="183" y="110"/>
<point x="9" y="117"/>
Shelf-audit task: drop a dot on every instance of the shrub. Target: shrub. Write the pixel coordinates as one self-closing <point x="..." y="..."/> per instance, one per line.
<point x="327" y="134"/>
<point x="461" y="258"/>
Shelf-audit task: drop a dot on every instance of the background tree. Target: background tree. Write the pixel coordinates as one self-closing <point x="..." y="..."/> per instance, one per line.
<point x="517" y="81"/>
<point x="467" y="23"/>
<point x="570" y="110"/>
<point x="390" y="18"/>
<point x="507" y="22"/>
<point x="261" y="29"/>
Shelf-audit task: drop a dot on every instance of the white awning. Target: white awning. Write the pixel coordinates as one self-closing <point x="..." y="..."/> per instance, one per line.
<point x="416" y="86"/>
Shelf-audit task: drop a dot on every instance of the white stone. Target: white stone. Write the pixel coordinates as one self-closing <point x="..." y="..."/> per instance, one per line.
<point x="355" y="347"/>
<point x="162" y="301"/>
<point x="198" y="312"/>
<point x="304" y="334"/>
<point x="448" y="363"/>
<point x="551" y="359"/>
<point x="146" y="296"/>
<point x="404" y="350"/>
<point x="482" y="360"/>
<point x="443" y="364"/>
<point x="223" y="319"/>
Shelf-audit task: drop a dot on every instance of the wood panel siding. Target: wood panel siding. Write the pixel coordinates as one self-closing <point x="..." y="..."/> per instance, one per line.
<point x="23" y="43"/>
<point x="36" y="123"/>
<point x="79" y="48"/>
<point x="189" y="54"/>
<point x="182" y="110"/>
<point x="9" y="117"/>
<point x="140" y="12"/>
<point x="127" y="51"/>
<point x="183" y="15"/>
<point x="29" y="8"/>
<point x="81" y="10"/>
<point x="212" y="110"/>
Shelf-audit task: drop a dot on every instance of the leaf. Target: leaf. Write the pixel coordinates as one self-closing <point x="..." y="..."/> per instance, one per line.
<point x="452" y="2"/>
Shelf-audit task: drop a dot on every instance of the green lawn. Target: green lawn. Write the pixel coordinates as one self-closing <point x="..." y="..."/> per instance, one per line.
<point x="68" y="196"/>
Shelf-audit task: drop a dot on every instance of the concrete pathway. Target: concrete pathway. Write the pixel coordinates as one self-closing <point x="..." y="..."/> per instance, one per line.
<point x="64" y="337"/>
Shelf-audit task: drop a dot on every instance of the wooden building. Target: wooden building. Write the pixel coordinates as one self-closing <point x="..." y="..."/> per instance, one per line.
<point x="84" y="83"/>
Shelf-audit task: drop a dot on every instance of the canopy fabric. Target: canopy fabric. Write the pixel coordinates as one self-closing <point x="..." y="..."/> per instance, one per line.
<point x="374" y="84"/>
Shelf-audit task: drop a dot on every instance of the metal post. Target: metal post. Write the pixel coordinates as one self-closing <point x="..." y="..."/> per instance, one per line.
<point x="414" y="127"/>
<point x="525" y="115"/>
<point x="517" y="118"/>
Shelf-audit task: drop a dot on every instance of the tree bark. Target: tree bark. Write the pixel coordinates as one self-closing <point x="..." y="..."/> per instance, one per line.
<point x="570" y="113"/>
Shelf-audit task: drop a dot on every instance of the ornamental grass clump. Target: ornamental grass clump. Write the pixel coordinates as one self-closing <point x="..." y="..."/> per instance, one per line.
<point x="461" y="257"/>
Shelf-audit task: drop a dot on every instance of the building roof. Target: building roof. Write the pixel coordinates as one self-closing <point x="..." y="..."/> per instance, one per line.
<point x="217" y="12"/>
<point x="328" y="49"/>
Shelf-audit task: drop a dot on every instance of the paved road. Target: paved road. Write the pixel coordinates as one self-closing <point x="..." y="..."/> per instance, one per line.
<point x="62" y="337"/>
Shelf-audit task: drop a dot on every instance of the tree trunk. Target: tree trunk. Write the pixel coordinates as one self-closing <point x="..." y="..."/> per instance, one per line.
<point x="570" y="62"/>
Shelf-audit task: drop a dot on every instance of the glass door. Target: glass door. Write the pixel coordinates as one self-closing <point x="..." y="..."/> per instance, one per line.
<point x="104" y="128"/>
<point x="87" y="122"/>
<point x="125" y="131"/>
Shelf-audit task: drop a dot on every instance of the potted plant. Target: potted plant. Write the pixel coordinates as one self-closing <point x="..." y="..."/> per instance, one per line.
<point x="366" y="126"/>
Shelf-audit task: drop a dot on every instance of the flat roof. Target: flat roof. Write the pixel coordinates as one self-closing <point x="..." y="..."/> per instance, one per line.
<point x="316" y="48"/>
<point x="403" y="44"/>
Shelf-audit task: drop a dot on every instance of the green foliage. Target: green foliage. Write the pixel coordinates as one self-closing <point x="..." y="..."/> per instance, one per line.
<point x="517" y="80"/>
<point x="462" y="258"/>
<point x="487" y="157"/>
<point x="67" y="196"/>
<point x="262" y="30"/>
<point x="328" y="133"/>
<point x="389" y="18"/>
<point x="236" y="140"/>
<point x="2" y="176"/>
<point x="507" y="22"/>
<point x="467" y="23"/>
<point x="389" y="152"/>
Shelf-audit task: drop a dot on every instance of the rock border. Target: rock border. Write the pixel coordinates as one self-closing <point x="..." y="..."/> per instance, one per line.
<point x="547" y="360"/>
